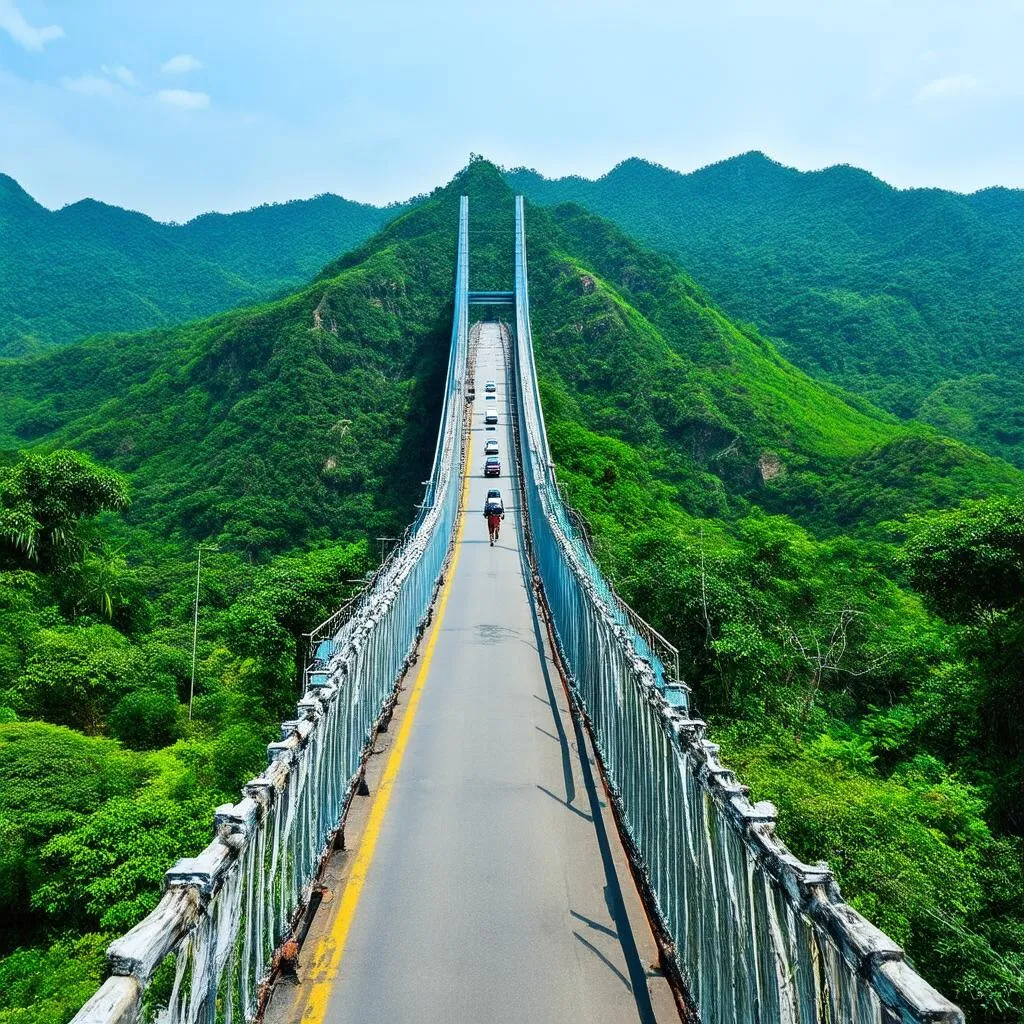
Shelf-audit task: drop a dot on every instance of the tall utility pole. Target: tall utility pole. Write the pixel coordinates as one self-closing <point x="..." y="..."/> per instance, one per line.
<point x="195" y="627"/>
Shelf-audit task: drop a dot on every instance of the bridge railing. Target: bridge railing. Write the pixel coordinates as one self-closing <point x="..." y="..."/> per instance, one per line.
<point x="204" y="954"/>
<point x="756" y="935"/>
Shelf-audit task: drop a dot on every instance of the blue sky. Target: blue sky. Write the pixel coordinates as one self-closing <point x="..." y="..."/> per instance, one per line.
<point x="176" y="108"/>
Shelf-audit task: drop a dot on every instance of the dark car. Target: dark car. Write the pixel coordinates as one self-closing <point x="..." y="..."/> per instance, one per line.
<point x="492" y="467"/>
<point x="494" y="502"/>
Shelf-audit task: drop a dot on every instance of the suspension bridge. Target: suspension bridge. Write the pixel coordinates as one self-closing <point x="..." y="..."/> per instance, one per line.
<point x="494" y="802"/>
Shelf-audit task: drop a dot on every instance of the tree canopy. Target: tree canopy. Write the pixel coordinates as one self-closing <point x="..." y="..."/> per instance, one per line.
<point x="43" y="500"/>
<point x="844" y="587"/>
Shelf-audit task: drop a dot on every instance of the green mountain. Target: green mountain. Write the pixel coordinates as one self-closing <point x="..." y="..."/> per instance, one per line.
<point x="639" y="353"/>
<point x="315" y="409"/>
<point x="90" y="267"/>
<point x="308" y="418"/>
<point x="755" y="515"/>
<point x="905" y="296"/>
<point x="775" y="528"/>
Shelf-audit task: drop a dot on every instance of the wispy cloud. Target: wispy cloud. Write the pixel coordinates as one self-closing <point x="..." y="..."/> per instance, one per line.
<point x="124" y="75"/>
<point x="13" y="22"/>
<point x="184" y="99"/>
<point x="945" y="88"/>
<point x="180" y="65"/>
<point x="113" y="80"/>
<point x="90" y="85"/>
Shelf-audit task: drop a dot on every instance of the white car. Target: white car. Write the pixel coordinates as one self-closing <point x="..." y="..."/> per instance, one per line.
<point x="491" y="417"/>
<point x="490" y="386"/>
<point x="491" y="448"/>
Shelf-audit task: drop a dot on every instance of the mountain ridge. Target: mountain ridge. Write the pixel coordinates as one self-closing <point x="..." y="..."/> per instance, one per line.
<point x="890" y="293"/>
<point x="756" y="401"/>
<point x="91" y="267"/>
<point x="757" y="158"/>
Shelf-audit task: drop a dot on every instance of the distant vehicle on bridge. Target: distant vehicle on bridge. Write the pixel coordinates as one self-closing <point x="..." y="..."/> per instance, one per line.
<point x="491" y="416"/>
<point x="491" y="447"/>
<point x="493" y="503"/>
<point x="492" y="467"/>
<point x="490" y="387"/>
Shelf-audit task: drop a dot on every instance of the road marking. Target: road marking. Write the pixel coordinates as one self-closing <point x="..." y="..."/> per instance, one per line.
<point x="331" y="949"/>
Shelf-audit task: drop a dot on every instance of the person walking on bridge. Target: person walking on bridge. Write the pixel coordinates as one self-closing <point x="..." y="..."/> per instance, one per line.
<point x="494" y="518"/>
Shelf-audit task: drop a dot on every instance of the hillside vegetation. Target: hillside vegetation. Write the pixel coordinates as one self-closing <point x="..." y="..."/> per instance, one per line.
<point x="289" y="423"/>
<point x="811" y="555"/>
<point x="646" y="357"/>
<point x="283" y="436"/>
<point x="907" y="297"/>
<point x="90" y="268"/>
<point x="805" y="551"/>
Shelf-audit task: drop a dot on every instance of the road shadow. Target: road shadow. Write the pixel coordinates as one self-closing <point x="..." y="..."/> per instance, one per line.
<point x="596" y="925"/>
<point x="568" y="806"/>
<point x="611" y="967"/>
<point x="568" y="779"/>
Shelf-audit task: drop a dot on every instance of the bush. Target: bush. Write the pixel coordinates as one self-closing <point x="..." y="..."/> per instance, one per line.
<point x="44" y="986"/>
<point x="145" y="720"/>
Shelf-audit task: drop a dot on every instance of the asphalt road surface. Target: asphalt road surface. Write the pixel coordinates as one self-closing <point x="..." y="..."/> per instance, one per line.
<point x="490" y="895"/>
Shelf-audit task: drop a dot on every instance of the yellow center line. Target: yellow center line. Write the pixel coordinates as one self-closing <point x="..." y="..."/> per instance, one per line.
<point x="331" y="948"/>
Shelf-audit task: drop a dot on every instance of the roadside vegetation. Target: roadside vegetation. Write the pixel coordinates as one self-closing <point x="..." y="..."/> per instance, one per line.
<point x="846" y="588"/>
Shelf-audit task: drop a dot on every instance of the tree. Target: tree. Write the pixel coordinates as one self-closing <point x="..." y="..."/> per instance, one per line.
<point x="289" y="597"/>
<point x="75" y="675"/>
<point x="43" y="500"/>
<point x="145" y="719"/>
<point x="51" y="780"/>
<point x="970" y="561"/>
<point x="40" y="986"/>
<point x="825" y="653"/>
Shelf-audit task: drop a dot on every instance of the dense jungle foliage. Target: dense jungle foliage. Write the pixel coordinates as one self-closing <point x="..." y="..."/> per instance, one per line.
<point x="846" y="589"/>
<point x="907" y="297"/>
<point x="91" y="267"/>
<point x="104" y="779"/>
<point x="283" y="437"/>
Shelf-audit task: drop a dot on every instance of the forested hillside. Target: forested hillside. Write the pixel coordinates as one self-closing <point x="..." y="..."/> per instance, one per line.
<point x="281" y="436"/>
<point x="811" y="555"/>
<point x="90" y="268"/>
<point x="853" y="648"/>
<point x="268" y="426"/>
<point x="907" y="297"/>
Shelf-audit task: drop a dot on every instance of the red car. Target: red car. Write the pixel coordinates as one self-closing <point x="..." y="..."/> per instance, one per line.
<point x="492" y="467"/>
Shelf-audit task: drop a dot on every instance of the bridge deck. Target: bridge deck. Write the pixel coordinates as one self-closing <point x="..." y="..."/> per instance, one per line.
<point x="491" y="892"/>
